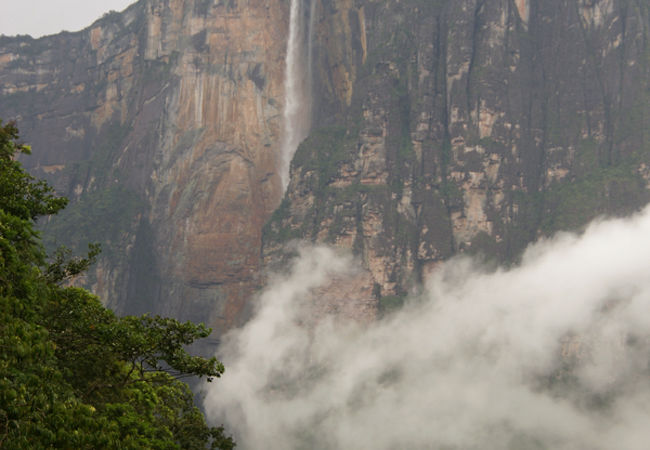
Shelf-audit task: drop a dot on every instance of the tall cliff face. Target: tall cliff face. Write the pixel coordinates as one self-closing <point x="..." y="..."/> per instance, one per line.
<point x="440" y="127"/>
<point x="162" y="125"/>
<point x="467" y="126"/>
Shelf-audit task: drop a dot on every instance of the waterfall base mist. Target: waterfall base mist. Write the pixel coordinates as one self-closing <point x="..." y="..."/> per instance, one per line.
<point x="553" y="353"/>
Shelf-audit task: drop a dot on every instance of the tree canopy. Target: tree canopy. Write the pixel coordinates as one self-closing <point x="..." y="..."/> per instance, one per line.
<point x="72" y="373"/>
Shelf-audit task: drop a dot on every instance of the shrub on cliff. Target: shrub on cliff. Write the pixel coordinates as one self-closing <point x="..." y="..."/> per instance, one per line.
<point x="72" y="374"/>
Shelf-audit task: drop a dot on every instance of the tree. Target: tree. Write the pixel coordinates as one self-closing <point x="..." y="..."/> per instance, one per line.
<point x="72" y="373"/>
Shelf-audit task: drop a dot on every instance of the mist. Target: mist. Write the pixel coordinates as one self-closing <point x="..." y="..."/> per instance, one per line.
<point x="552" y="353"/>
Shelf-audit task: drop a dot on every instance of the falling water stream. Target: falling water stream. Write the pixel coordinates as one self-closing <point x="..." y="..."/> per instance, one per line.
<point x="297" y="83"/>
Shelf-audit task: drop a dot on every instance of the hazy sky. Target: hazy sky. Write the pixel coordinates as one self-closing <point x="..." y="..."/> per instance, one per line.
<point x="43" y="17"/>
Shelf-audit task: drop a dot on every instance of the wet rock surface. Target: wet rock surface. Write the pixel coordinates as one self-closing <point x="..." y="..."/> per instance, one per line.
<point x="440" y="127"/>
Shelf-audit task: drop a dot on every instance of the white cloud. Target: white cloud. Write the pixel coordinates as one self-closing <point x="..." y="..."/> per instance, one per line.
<point x="553" y="353"/>
<point x="43" y="17"/>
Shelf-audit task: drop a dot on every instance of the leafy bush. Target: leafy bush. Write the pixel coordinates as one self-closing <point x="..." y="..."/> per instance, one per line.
<point x="72" y="374"/>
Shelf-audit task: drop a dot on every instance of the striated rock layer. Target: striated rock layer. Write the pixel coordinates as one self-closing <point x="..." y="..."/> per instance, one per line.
<point x="440" y="127"/>
<point x="162" y="125"/>
<point x="467" y="126"/>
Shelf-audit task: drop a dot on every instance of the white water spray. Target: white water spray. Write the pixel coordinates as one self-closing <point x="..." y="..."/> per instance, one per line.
<point x="297" y="85"/>
<point x="552" y="353"/>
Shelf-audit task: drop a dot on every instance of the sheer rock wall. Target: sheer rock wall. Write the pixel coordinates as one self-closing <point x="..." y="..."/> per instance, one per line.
<point x="161" y="124"/>
<point x="440" y="127"/>
<point x="467" y="126"/>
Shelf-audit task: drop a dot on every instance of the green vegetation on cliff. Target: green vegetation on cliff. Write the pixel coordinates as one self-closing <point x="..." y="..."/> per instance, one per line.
<point x="72" y="374"/>
<point x="98" y="216"/>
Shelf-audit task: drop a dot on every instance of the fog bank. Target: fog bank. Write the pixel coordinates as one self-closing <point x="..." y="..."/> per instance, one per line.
<point x="553" y="353"/>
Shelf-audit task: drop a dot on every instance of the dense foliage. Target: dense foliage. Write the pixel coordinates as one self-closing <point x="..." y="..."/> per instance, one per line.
<point x="72" y="374"/>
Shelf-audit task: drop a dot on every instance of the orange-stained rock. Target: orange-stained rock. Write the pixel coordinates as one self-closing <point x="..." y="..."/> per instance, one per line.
<point x="180" y="103"/>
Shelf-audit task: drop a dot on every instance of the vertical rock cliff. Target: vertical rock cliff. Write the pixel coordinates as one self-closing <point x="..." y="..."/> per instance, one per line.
<point x="439" y="127"/>
<point x="467" y="126"/>
<point x="162" y="125"/>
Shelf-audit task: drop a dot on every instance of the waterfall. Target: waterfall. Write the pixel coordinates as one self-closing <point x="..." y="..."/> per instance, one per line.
<point x="297" y="83"/>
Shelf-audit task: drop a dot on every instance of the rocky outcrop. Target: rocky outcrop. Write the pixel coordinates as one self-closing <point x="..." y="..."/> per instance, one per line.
<point x="467" y="126"/>
<point x="161" y="124"/>
<point x="440" y="127"/>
